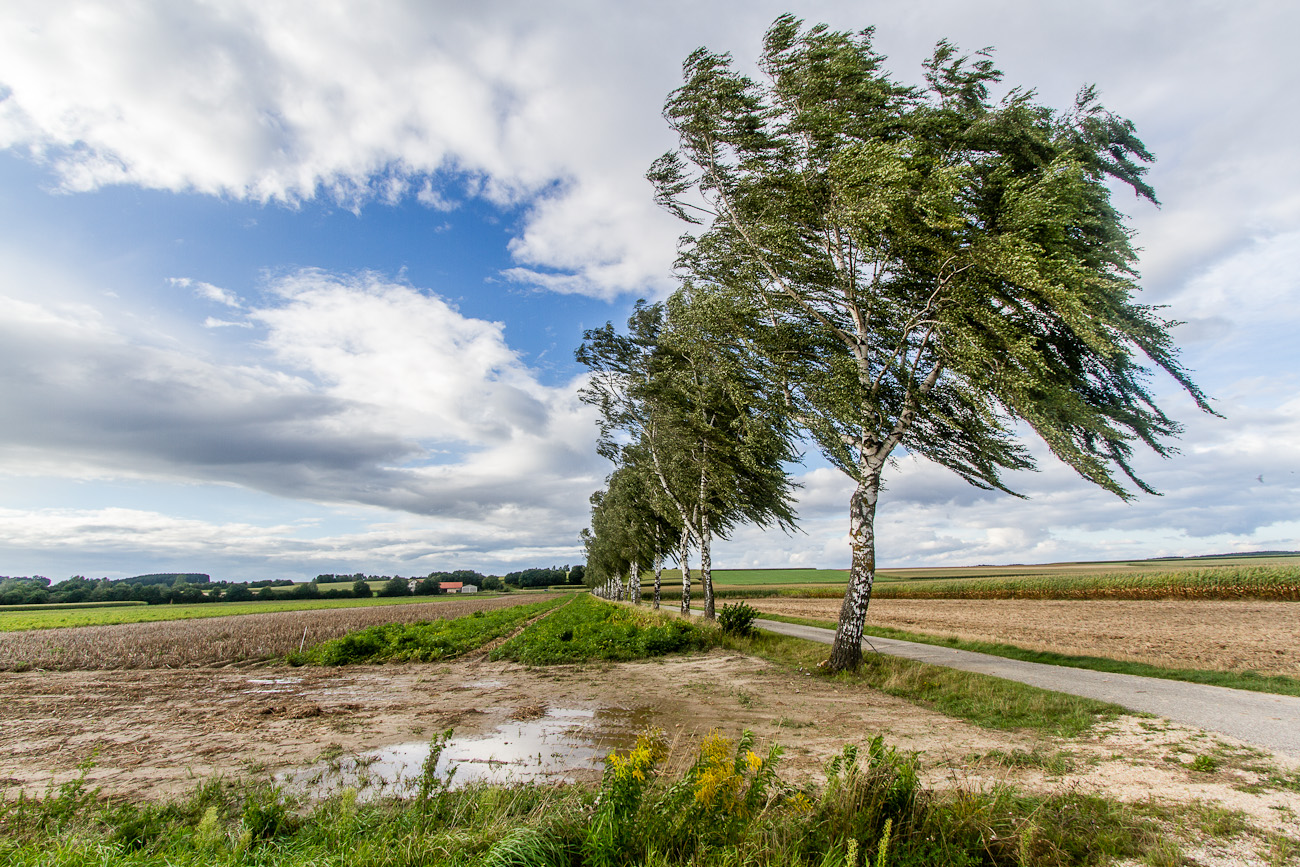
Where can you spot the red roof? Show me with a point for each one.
(450, 585)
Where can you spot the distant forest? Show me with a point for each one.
(161, 588)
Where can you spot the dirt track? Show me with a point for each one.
(1218, 635)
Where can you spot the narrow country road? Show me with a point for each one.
(1270, 721)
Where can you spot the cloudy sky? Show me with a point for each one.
(294, 287)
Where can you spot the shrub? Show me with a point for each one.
(737, 619)
(589, 628)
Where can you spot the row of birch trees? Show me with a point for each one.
(884, 268)
(699, 441)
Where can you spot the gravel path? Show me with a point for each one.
(1270, 721)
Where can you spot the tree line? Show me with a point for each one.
(875, 269)
(189, 588)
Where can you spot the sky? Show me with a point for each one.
(290, 288)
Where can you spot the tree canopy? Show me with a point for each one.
(933, 269)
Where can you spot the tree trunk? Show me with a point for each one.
(846, 652)
(659, 578)
(686, 572)
(706, 565)
(634, 584)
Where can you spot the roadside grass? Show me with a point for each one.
(590, 628)
(728, 807)
(45, 618)
(1276, 684)
(425, 641)
(986, 701)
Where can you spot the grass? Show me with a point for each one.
(1248, 680)
(219, 640)
(42, 617)
(589, 628)
(986, 701)
(69, 606)
(424, 641)
(729, 806)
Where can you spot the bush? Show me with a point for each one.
(419, 642)
(737, 619)
(395, 587)
(588, 628)
(361, 589)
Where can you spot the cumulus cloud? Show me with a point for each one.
(119, 542)
(368, 392)
(556, 108)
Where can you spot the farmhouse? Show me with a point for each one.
(456, 587)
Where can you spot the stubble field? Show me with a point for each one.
(1219, 635)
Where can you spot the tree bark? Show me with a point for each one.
(685, 549)
(706, 565)
(659, 578)
(846, 651)
(634, 584)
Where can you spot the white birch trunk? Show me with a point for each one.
(659, 578)
(846, 652)
(686, 572)
(706, 565)
(634, 584)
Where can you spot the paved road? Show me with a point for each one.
(1271, 721)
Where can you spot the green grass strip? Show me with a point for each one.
(1276, 684)
(986, 701)
(591, 628)
(429, 641)
(18, 621)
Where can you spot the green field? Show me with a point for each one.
(39, 618)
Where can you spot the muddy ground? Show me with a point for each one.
(153, 733)
(1210, 634)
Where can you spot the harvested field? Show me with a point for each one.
(1207, 634)
(214, 641)
(152, 733)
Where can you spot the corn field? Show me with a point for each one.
(1258, 582)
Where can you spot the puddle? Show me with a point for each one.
(272, 684)
(485, 684)
(561, 746)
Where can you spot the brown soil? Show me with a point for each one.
(155, 733)
(1216, 635)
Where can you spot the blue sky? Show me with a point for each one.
(289, 289)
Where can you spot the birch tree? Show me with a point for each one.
(698, 424)
(934, 269)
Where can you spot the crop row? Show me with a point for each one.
(215, 640)
(1260, 582)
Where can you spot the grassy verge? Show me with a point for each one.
(45, 618)
(1248, 680)
(590, 628)
(981, 699)
(427, 641)
(729, 807)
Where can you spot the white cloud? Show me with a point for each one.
(209, 292)
(368, 392)
(120, 541)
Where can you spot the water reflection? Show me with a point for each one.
(565, 744)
